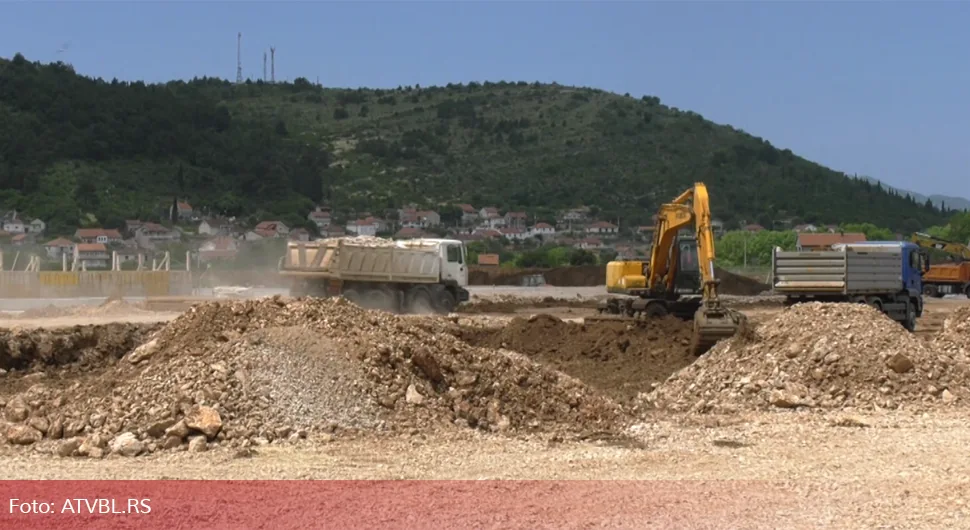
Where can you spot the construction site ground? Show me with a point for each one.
(787, 466)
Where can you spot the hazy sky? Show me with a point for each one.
(875, 88)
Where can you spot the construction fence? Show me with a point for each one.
(95, 284)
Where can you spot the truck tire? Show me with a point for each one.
(445, 302)
(352, 296)
(910, 322)
(419, 300)
(966, 290)
(379, 299)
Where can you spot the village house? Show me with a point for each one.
(215, 226)
(267, 229)
(362, 227)
(321, 217)
(92, 255)
(514, 234)
(98, 235)
(488, 233)
(132, 226)
(184, 212)
(753, 228)
(516, 219)
(469, 215)
(602, 227)
(20, 240)
(14, 226)
(56, 247)
(428, 218)
(488, 212)
(37, 226)
(299, 234)
(218, 248)
(155, 232)
(806, 228)
(575, 215)
(544, 230)
(824, 241)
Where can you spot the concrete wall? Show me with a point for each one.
(45, 284)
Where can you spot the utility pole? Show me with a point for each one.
(264, 67)
(239, 58)
(272, 64)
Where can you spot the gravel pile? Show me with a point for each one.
(360, 241)
(820, 356)
(252, 372)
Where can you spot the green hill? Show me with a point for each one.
(72, 146)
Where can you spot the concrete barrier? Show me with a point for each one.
(67, 284)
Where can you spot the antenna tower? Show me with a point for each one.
(239, 58)
(272, 64)
(264, 67)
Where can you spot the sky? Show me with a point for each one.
(871, 88)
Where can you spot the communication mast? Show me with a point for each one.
(272, 64)
(239, 58)
(264, 67)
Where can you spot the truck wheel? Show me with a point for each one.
(929, 290)
(910, 322)
(419, 301)
(966, 290)
(352, 296)
(445, 302)
(379, 299)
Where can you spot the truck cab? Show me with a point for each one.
(454, 262)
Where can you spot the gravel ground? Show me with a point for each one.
(897, 471)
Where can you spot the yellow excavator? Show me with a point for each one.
(679, 278)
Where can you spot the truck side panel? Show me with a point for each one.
(361, 263)
(809, 272)
(874, 272)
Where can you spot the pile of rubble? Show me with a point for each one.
(251, 372)
(110, 308)
(955, 334)
(819, 356)
(361, 241)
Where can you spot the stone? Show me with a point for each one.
(16, 410)
(412, 396)
(899, 363)
(159, 428)
(179, 430)
(205, 420)
(143, 352)
(68, 447)
(948, 397)
(171, 442)
(40, 423)
(126, 444)
(23, 435)
(197, 444)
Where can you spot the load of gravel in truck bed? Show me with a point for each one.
(819, 356)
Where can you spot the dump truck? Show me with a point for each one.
(408, 276)
(945, 277)
(886, 275)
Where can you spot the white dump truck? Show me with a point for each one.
(408, 276)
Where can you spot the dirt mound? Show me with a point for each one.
(621, 359)
(255, 371)
(956, 327)
(40, 349)
(111, 307)
(735, 284)
(827, 356)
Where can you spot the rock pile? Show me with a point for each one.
(362, 241)
(955, 333)
(821, 356)
(255, 371)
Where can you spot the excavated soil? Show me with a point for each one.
(109, 308)
(511, 304)
(258, 371)
(821, 356)
(41, 350)
(621, 359)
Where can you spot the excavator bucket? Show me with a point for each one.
(713, 323)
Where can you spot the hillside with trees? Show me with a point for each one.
(76, 150)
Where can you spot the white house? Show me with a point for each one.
(59, 246)
(468, 214)
(362, 227)
(37, 226)
(320, 217)
(92, 255)
(14, 226)
(514, 234)
(602, 227)
(542, 229)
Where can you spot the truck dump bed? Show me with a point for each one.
(364, 261)
(843, 271)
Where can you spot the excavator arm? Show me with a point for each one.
(712, 321)
(957, 250)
